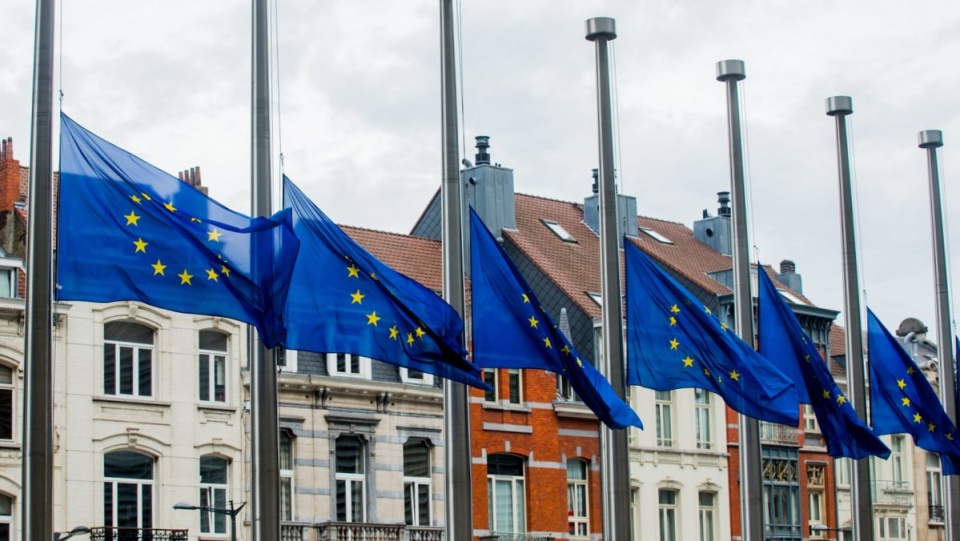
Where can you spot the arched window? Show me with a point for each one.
(286, 475)
(6, 517)
(505, 494)
(127, 359)
(213, 366)
(7, 412)
(127, 490)
(351, 479)
(578, 501)
(213, 493)
(416, 482)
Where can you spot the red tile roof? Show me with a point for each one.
(416, 257)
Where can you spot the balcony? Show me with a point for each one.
(495, 536)
(359, 531)
(110, 533)
(892, 494)
(935, 514)
(774, 434)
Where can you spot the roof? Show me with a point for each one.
(416, 257)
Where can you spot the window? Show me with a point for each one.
(127, 490)
(893, 529)
(287, 359)
(664, 404)
(6, 517)
(416, 483)
(934, 488)
(286, 475)
(127, 359)
(347, 365)
(564, 389)
(490, 378)
(896, 457)
(6, 403)
(816, 507)
(843, 472)
(703, 416)
(351, 485)
(577, 501)
(514, 383)
(668, 515)
(8, 283)
(213, 493)
(790, 296)
(810, 419)
(559, 231)
(656, 235)
(816, 485)
(596, 297)
(415, 377)
(213, 366)
(707, 513)
(505, 494)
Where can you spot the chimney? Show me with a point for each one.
(482, 156)
(596, 181)
(788, 276)
(10, 189)
(192, 177)
(724, 199)
(716, 231)
(626, 211)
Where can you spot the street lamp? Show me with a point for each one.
(79, 530)
(232, 513)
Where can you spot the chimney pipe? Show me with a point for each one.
(724, 199)
(596, 181)
(787, 266)
(482, 156)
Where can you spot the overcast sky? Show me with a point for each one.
(358, 101)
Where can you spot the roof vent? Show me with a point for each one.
(787, 266)
(482, 157)
(724, 199)
(596, 181)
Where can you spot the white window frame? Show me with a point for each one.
(703, 418)
(514, 373)
(559, 230)
(707, 516)
(884, 530)
(289, 360)
(286, 474)
(934, 483)
(118, 346)
(669, 511)
(140, 483)
(353, 482)
(518, 501)
(363, 365)
(211, 358)
(578, 497)
(11, 387)
(496, 385)
(897, 458)
(415, 377)
(211, 490)
(817, 506)
(412, 486)
(8, 519)
(810, 423)
(664, 417)
(10, 281)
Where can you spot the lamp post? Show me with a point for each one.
(62, 536)
(232, 513)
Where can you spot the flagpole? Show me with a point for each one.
(265, 429)
(931, 140)
(615, 464)
(458, 491)
(732, 72)
(38, 333)
(839, 107)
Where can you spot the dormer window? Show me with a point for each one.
(656, 235)
(559, 231)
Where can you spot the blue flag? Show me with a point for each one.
(512, 330)
(128, 231)
(344, 300)
(786, 346)
(674, 342)
(902, 400)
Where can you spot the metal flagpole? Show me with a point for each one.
(265, 440)
(458, 491)
(931, 140)
(840, 107)
(615, 464)
(751, 488)
(38, 334)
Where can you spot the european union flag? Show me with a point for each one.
(674, 342)
(512, 330)
(786, 346)
(344, 300)
(902, 400)
(128, 231)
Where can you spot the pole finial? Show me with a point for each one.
(601, 28)
(930, 139)
(839, 105)
(731, 70)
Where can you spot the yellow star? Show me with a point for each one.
(707, 310)
(526, 299)
(533, 322)
(410, 338)
(145, 195)
(673, 321)
(917, 418)
(420, 333)
(906, 401)
(185, 277)
(394, 332)
(735, 376)
(353, 272)
(170, 207)
(931, 427)
(546, 342)
(706, 372)
(132, 218)
(674, 309)
(225, 271)
(949, 436)
(374, 276)
(687, 361)
(565, 349)
(214, 236)
(580, 362)
(194, 219)
(826, 394)
(723, 326)
(373, 318)
(806, 358)
(901, 383)
(141, 246)
(674, 343)
(212, 275)
(910, 370)
(841, 399)
(357, 297)
(158, 268)
(136, 199)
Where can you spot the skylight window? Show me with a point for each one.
(596, 297)
(559, 231)
(790, 297)
(656, 235)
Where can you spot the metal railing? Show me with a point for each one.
(111, 533)
(936, 514)
(893, 493)
(774, 434)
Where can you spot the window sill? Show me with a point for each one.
(214, 406)
(130, 400)
(9, 446)
(502, 406)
